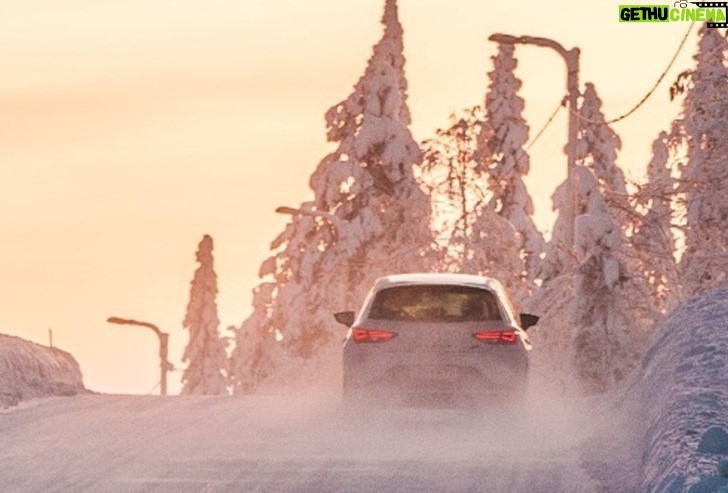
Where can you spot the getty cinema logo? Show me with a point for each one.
(712, 12)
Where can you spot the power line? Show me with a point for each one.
(651, 91)
(635, 108)
(156, 386)
(544, 127)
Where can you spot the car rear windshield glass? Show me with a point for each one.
(435, 303)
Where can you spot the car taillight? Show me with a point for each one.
(496, 337)
(372, 335)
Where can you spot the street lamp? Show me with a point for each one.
(333, 220)
(164, 365)
(571, 58)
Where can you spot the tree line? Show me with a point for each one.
(384, 203)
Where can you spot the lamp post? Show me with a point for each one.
(571, 58)
(164, 365)
(333, 220)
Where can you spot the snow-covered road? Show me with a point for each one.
(103, 443)
(654, 434)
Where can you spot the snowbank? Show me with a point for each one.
(30, 370)
(680, 394)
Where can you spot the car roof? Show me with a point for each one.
(438, 278)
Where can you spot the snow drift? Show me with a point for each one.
(30, 370)
(681, 398)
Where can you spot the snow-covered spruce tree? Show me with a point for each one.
(559, 256)
(205, 350)
(254, 357)
(652, 239)
(369, 217)
(596, 148)
(473, 237)
(502, 153)
(613, 304)
(601, 307)
(704, 179)
(368, 182)
(567, 264)
(289, 279)
(555, 300)
(367, 185)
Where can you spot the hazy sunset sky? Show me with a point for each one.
(128, 130)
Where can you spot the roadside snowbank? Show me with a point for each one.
(30, 370)
(680, 395)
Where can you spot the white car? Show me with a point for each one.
(435, 340)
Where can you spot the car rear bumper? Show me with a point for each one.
(458, 380)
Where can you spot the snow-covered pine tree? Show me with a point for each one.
(612, 303)
(368, 182)
(205, 350)
(367, 186)
(369, 217)
(256, 351)
(559, 256)
(652, 239)
(596, 148)
(704, 179)
(283, 300)
(252, 360)
(609, 303)
(602, 354)
(474, 238)
(507, 162)
(563, 301)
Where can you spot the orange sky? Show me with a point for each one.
(130, 129)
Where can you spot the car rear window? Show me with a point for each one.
(435, 303)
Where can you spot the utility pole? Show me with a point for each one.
(571, 58)
(164, 365)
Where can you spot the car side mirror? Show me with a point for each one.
(528, 320)
(345, 318)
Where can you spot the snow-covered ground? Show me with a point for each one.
(659, 433)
